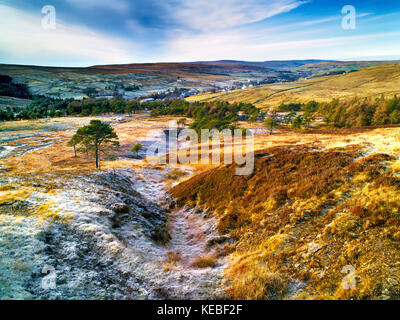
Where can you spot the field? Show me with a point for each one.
(370, 82)
(319, 201)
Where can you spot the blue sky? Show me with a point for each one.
(93, 32)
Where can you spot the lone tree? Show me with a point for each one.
(75, 140)
(297, 122)
(95, 137)
(182, 122)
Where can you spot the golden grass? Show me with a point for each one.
(303, 217)
(369, 82)
(304, 225)
(48, 210)
(176, 174)
(12, 195)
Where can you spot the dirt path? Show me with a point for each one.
(193, 240)
(190, 234)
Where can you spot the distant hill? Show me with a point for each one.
(383, 78)
(277, 64)
(149, 78)
(161, 79)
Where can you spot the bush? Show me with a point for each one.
(204, 262)
(136, 148)
(176, 174)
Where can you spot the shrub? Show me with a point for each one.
(204, 262)
(258, 284)
(176, 174)
(136, 148)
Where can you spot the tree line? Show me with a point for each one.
(340, 113)
(48, 107)
(210, 115)
(11, 89)
(360, 112)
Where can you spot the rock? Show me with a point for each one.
(121, 211)
(172, 205)
(132, 155)
(160, 236)
(120, 208)
(217, 240)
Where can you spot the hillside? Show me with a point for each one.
(174, 80)
(135, 80)
(311, 221)
(370, 82)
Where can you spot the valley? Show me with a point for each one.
(199, 159)
(109, 234)
(159, 80)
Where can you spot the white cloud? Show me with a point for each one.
(212, 30)
(23, 39)
(241, 45)
(206, 15)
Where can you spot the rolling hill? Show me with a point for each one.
(180, 80)
(369, 82)
(147, 78)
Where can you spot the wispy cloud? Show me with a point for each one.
(121, 31)
(23, 39)
(205, 15)
(240, 45)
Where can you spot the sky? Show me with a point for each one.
(94, 32)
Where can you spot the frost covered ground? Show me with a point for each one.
(113, 245)
(115, 233)
(107, 234)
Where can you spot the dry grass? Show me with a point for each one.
(10, 195)
(304, 215)
(370, 82)
(258, 284)
(315, 204)
(204, 262)
(172, 261)
(176, 174)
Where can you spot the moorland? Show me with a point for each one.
(317, 219)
